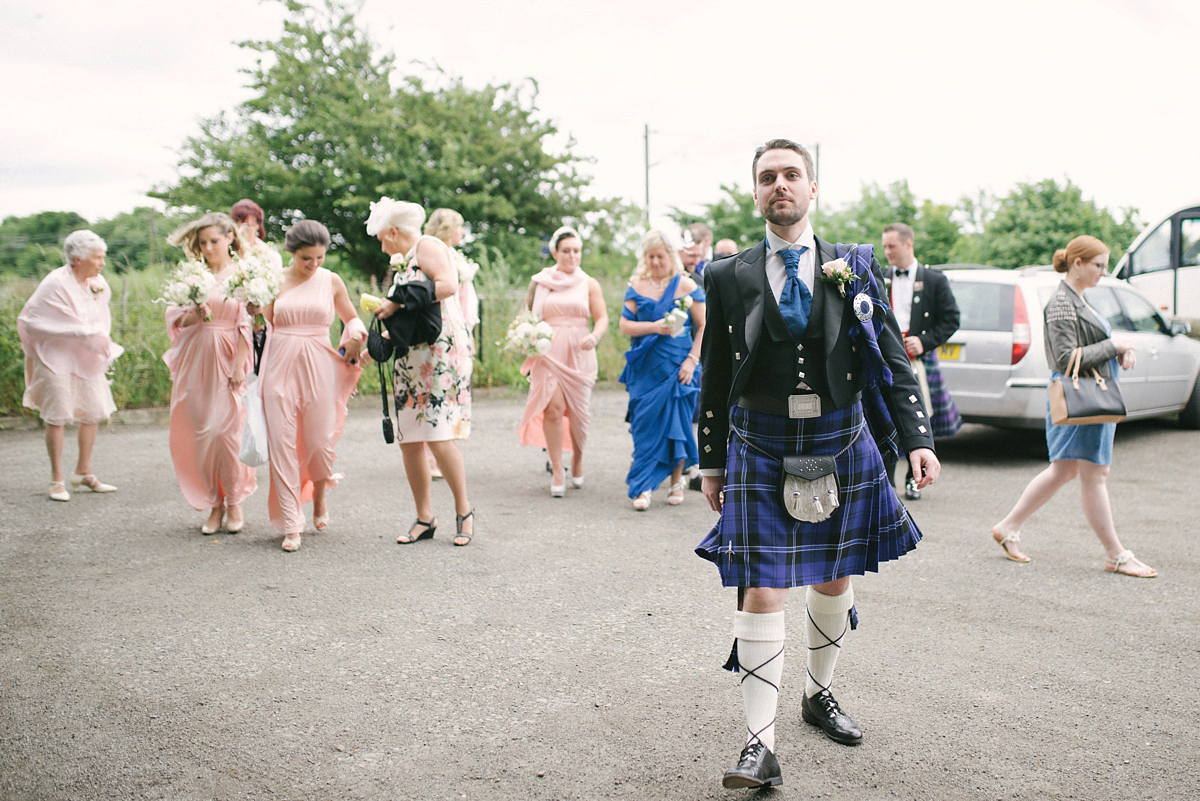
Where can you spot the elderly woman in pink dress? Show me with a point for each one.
(64, 329)
(560, 381)
(208, 358)
(306, 384)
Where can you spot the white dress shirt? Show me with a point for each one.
(777, 270)
(902, 295)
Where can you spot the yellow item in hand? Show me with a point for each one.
(369, 303)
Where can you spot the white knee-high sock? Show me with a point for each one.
(828, 622)
(760, 640)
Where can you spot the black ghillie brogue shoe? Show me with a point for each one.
(756, 767)
(822, 711)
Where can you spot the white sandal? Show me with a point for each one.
(1126, 557)
(90, 481)
(642, 502)
(675, 494)
(58, 491)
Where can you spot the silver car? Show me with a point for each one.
(995, 365)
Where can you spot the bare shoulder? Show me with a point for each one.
(687, 285)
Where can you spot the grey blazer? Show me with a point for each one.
(1070, 324)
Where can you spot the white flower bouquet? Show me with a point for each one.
(678, 315)
(527, 335)
(253, 281)
(188, 284)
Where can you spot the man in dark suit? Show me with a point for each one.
(927, 314)
(787, 358)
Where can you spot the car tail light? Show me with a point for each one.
(1020, 328)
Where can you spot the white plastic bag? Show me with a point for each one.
(254, 434)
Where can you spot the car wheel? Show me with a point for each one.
(1190, 416)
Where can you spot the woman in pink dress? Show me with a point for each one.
(306, 384)
(560, 381)
(433, 381)
(208, 358)
(64, 329)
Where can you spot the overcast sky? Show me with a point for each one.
(952, 96)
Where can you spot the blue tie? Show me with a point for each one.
(795, 302)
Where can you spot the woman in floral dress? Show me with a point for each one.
(433, 382)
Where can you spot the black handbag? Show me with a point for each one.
(1076, 401)
(378, 346)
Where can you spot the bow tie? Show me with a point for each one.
(901, 273)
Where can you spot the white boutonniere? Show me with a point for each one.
(97, 287)
(837, 272)
(398, 260)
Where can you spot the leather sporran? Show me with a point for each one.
(808, 487)
(1077, 401)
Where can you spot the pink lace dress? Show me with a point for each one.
(206, 415)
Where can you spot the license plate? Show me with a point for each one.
(950, 353)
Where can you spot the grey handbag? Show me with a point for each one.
(1076, 401)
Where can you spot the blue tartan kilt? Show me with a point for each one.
(756, 543)
(944, 418)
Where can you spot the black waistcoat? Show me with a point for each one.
(777, 368)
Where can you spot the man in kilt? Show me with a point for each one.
(927, 314)
(795, 366)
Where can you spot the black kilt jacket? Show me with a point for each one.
(934, 317)
(736, 290)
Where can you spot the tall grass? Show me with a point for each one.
(141, 379)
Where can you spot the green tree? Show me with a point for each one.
(135, 239)
(733, 216)
(863, 220)
(326, 133)
(32, 245)
(1028, 224)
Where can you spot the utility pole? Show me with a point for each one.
(646, 213)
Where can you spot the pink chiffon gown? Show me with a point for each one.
(64, 329)
(562, 301)
(206, 415)
(305, 389)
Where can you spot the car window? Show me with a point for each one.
(1189, 233)
(982, 306)
(1140, 311)
(1104, 302)
(1155, 251)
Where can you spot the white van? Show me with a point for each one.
(1164, 263)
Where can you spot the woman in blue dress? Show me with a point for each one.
(1078, 451)
(664, 316)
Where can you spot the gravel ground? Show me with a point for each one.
(573, 650)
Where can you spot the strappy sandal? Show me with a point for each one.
(58, 491)
(427, 534)
(675, 494)
(1015, 539)
(1126, 557)
(642, 502)
(291, 542)
(458, 521)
